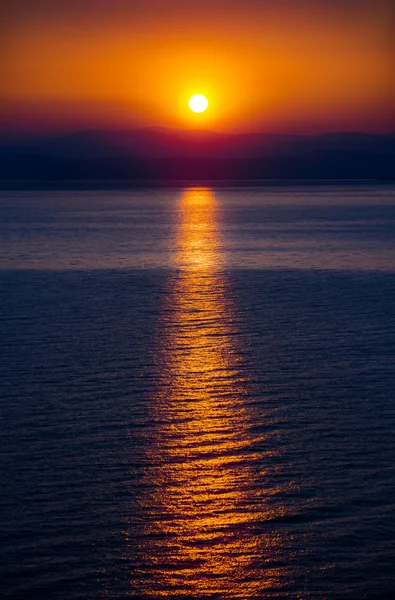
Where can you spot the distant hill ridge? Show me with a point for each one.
(160, 153)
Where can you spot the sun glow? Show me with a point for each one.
(198, 103)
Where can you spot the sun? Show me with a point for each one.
(198, 103)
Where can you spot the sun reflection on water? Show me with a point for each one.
(203, 511)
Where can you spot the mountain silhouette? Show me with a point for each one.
(161, 154)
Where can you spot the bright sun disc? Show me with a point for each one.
(198, 103)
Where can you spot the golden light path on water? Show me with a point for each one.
(203, 507)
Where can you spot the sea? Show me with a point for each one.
(198, 393)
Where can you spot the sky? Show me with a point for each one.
(295, 66)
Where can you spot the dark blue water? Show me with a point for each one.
(197, 394)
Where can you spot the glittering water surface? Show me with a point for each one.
(197, 395)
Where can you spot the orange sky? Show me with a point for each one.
(265, 65)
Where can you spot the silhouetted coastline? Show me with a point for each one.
(166, 157)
